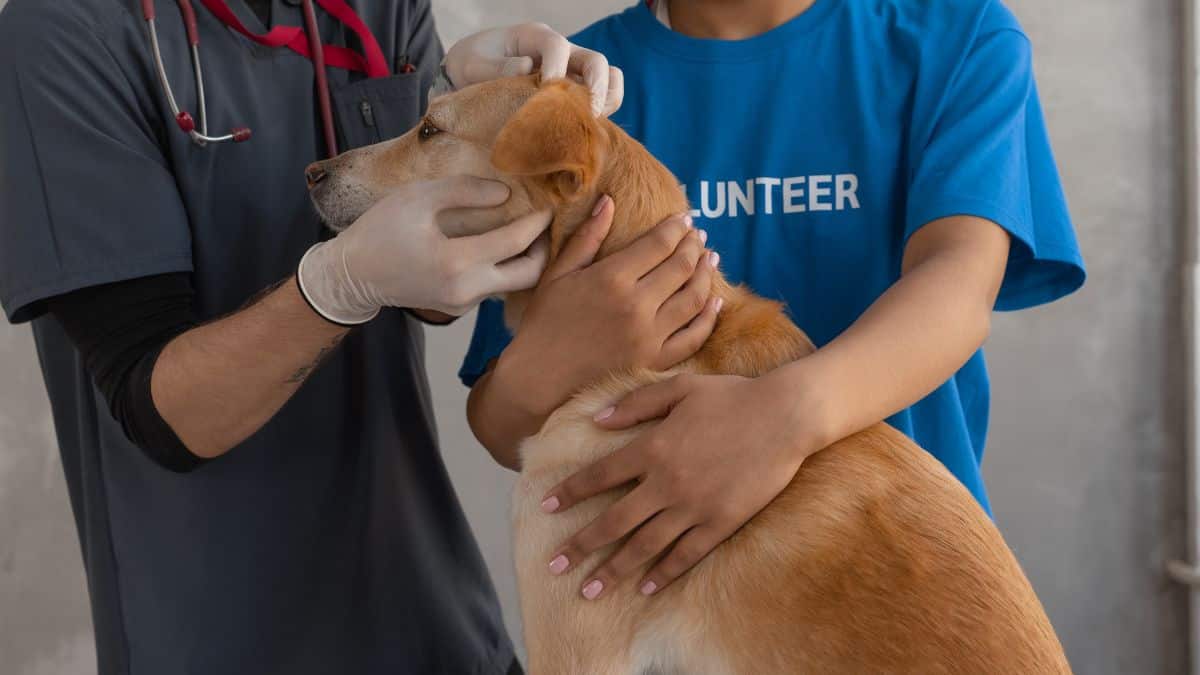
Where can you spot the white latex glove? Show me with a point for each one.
(517, 50)
(397, 255)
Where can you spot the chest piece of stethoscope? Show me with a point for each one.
(182, 117)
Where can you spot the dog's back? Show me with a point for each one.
(874, 559)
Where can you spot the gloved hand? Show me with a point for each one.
(398, 254)
(517, 50)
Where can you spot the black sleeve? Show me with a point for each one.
(120, 329)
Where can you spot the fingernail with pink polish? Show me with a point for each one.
(600, 204)
(550, 504)
(720, 303)
(703, 237)
(688, 220)
(714, 259)
(605, 414)
(649, 587)
(592, 590)
(559, 565)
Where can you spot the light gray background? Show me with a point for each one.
(1085, 458)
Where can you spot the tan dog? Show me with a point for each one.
(875, 559)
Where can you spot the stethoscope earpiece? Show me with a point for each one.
(185, 122)
(188, 125)
(183, 118)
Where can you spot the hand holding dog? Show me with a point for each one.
(518, 50)
(728, 445)
(645, 306)
(397, 255)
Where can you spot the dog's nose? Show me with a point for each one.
(314, 174)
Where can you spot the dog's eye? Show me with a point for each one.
(428, 131)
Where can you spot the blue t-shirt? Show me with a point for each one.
(812, 153)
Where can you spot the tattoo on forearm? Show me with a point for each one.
(304, 371)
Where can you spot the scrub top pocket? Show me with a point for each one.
(375, 110)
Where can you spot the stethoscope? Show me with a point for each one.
(306, 42)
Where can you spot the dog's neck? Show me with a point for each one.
(753, 335)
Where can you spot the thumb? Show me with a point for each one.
(642, 405)
(523, 271)
(581, 249)
(507, 241)
(482, 68)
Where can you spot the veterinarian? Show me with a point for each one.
(881, 167)
(240, 510)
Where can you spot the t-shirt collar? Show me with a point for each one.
(650, 20)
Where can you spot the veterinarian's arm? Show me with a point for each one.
(216, 384)
(694, 490)
(654, 312)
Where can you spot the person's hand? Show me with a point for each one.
(646, 305)
(397, 254)
(518, 50)
(728, 445)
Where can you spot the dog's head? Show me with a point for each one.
(540, 139)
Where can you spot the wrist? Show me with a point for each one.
(518, 385)
(806, 407)
(325, 284)
(288, 303)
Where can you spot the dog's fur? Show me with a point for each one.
(875, 559)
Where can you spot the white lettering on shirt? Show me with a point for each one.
(847, 191)
(718, 210)
(796, 194)
(767, 184)
(816, 190)
(739, 197)
(793, 196)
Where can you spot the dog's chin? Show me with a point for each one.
(335, 222)
(339, 207)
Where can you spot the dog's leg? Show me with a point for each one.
(564, 633)
(622, 632)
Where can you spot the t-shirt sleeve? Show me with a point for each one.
(490, 338)
(86, 194)
(985, 152)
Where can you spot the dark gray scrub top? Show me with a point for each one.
(329, 542)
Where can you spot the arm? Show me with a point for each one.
(913, 338)
(647, 305)
(184, 393)
(910, 340)
(140, 335)
(500, 419)
(217, 384)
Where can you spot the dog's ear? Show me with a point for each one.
(553, 137)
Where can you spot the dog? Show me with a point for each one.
(874, 559)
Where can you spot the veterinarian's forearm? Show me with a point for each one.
(910, 341)
(217, 384)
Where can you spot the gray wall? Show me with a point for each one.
(1085, 457)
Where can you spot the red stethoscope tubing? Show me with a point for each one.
(318, 60)
(304, 41)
